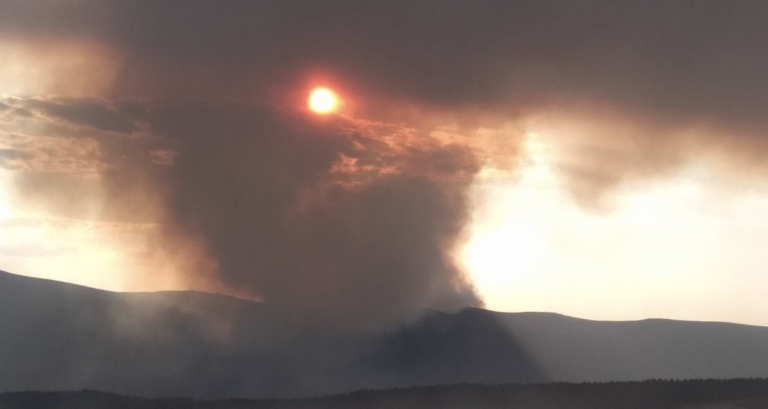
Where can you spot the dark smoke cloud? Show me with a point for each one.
(662, 66)
(359, 247)
(343, 219)
(336, 221)
(679, 59)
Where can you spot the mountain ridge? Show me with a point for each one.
(67, 337)
(651, 394)
(235, 298)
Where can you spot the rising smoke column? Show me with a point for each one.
(339, 221)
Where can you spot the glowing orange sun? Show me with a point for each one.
(323, 101)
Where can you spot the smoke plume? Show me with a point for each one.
(354, 219)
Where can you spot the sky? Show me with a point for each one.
(599, 159)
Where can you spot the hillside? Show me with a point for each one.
(656, 394)
(59, 336)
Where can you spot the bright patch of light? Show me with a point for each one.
(323, 101)
(32, 68)
(6, 212)
(508, 241)
(684, 247)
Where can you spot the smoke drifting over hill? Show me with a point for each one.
(189, 122)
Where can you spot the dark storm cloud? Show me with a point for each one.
(340, 219)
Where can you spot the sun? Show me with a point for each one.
(323, 101)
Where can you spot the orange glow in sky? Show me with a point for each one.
(323, 101)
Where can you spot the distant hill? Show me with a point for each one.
(655, 394)
(58, 336)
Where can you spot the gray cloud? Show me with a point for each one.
(7, 155)
(77, 116)
(92, 112)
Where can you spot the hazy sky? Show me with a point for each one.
(602, 159)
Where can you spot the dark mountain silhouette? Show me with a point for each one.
(654, 394)
(58, 336)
